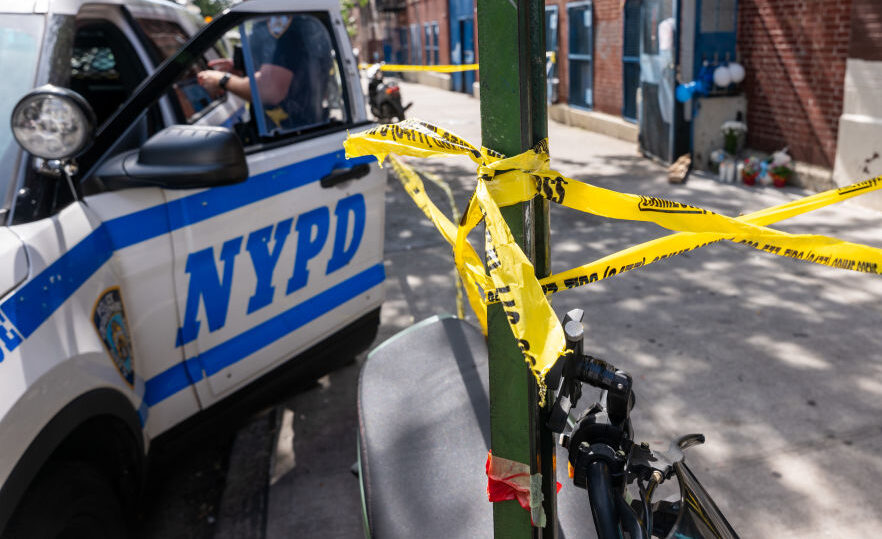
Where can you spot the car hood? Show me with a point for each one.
(13, 261)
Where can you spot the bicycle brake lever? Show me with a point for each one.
(562, 374)
(643, 460)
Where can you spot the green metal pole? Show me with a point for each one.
(511, 39)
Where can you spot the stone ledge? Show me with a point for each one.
(599, 122)
(428, 78)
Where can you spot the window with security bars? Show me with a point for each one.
(581, 54)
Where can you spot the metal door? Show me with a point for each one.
(467, 36)
(657, 68)
(462, 42)
(581, 54)
(267, 268)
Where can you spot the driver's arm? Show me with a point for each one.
(272, 83)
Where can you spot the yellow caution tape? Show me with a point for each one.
(409, 178)
(448, 68)
(504, 181)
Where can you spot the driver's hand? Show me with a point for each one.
(210, 80)
(221, 64)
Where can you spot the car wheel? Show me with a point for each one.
(69, 500)
(387, 113)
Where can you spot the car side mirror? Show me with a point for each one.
(179, 157)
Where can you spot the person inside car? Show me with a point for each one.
(287, 75)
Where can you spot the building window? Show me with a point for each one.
(551, 59)
(416, 48)
(430, 30)
(401, 53)
(435, 31)
(718, 16)
(581, 53)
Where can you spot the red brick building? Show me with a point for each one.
(794, 53)
(429, 21)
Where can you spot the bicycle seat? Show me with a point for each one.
(424, 433)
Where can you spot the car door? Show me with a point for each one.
(267, 268)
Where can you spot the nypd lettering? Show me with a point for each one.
(211, 275)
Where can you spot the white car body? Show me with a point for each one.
(217, 286)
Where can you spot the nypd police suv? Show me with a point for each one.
(168, 244)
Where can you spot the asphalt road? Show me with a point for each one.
(776, 361)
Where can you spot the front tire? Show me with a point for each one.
(387, 113)
(69, 500)
(390, 114)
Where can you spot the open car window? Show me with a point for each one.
(329, 99)
(295, 74)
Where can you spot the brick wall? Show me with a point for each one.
(794, 52)
(608, 28)
(866, 30)
(431, 11)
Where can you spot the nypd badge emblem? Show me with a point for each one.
(110, 321)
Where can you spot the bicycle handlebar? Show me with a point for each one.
(603, 507)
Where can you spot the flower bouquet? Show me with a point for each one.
(780, 175)
(751, 170)
(733, 135)
(780, 168)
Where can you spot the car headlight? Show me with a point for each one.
(53, 122)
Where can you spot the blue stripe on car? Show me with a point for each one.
(36, 300)
(213, 360)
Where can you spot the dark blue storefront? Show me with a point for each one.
(462, 42)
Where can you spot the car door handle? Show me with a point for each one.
(340, 175)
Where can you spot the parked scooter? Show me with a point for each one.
(384, 97)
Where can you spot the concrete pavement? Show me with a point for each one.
(777, 362)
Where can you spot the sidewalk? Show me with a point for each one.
(776, 361)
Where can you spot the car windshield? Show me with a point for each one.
(20, 37)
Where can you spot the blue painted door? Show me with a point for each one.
(581, 54)
(462, 42)
(467, 36)
(631, 60)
